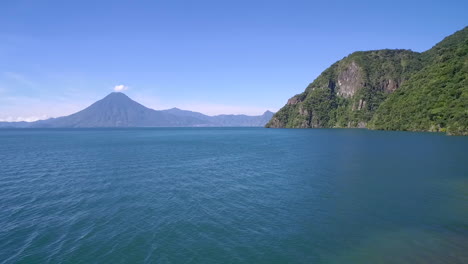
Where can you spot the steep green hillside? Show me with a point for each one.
(359, 91)
(436, 97)
(348, 93)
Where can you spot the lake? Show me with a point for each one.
(232, 195)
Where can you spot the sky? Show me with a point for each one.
(214, 57)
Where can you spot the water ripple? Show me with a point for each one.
(235, 195)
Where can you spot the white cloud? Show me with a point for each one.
(120, 88)
(21, 108)
(23, 118)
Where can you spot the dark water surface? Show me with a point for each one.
(232, 195)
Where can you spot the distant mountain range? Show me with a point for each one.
(118, 110)
(388, 90)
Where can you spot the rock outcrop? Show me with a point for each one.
(349, 92)
(388, 89)
(350, 80)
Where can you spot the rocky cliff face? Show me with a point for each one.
(388, 89)
(349, 92)
(350, 80)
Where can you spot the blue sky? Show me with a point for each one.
(57, 57)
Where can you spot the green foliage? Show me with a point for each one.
(431, 91)
(320, 102)
(435, 98)
(320, 106)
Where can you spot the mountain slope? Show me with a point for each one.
(359, 91)
(118, 110)
(242, 120)
(435, 98)
(21, 124)
(348, 93)
(225, 120)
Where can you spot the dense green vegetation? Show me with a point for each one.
(435, 98)
(388, 89)
(321, 105)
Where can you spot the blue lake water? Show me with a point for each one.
(232, 195)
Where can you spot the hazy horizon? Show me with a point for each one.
(212, 57)
(122, 92)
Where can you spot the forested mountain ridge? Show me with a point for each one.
(388, 89)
